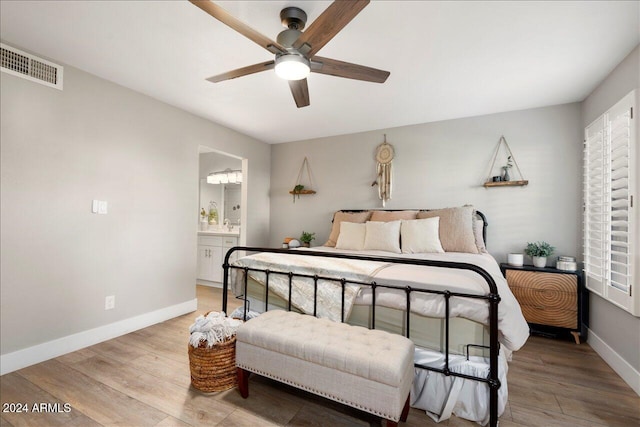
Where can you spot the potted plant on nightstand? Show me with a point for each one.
(306, 238)
(539, 251)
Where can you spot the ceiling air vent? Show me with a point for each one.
(30, 67)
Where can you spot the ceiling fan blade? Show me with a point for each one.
(348, 70)
(327, 25)
(300, 92)
(244, 71)
(226, 18)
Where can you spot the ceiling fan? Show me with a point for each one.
(295, 51)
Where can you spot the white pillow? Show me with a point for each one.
(351, 236)
(382, 236)
(421, 236)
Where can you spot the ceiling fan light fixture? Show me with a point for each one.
(292, 66)
(294, 50)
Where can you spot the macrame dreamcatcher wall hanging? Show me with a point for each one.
(384, 179)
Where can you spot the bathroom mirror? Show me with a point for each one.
(232, 194)
(214, 168)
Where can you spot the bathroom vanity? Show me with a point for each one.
(212, 247)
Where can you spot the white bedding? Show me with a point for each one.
(511, 323)
(329, 293)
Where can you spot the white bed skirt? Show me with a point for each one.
(440, 396)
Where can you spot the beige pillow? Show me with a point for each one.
(456, 228)
(351, 236)
(382, 236)
(478, 226)
(421, 236)
(340, 216)
(385, 216)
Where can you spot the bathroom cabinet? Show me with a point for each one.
(211, 251)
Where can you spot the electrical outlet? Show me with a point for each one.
(109, 302)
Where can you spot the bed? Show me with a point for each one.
(405, 278)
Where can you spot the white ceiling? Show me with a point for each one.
(447, 59)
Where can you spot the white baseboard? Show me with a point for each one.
(209, 284)
(39, 353)
(627, 372)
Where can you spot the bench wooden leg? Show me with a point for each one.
(243, 382)
(403, 416)
(405, 410)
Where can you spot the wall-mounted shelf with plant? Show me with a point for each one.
(504, 179)
(300, 189)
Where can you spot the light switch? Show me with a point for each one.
(110, 302)
(102, 207)
(94, 206)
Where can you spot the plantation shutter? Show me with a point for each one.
(595, 221)
(609, 176)
(620, 182)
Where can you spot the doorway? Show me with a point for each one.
(222, 220)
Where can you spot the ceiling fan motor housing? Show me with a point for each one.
(293, 18)
(292, 65)
(288, 37)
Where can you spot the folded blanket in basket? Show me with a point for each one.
(213, 328)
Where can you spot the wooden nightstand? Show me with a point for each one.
(552, 300)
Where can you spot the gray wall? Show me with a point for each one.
(619, 329)
(445, 164)
(98, 140)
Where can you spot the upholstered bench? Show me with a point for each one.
(367, 369)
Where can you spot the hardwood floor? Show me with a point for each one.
(142, 379)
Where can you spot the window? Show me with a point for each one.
(609, 177)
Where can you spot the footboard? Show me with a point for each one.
(492, 298)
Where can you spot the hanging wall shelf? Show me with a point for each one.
(300, 189)
(303, 191)
(518, 183)
(504, 179)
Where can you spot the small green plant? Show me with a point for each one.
(297, 190)
(307, 237)
(541, 249)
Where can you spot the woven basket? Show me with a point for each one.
(213, 369)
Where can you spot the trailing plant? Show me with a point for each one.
(541, 249)
(297, 190)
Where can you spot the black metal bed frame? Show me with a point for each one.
(493, 299)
